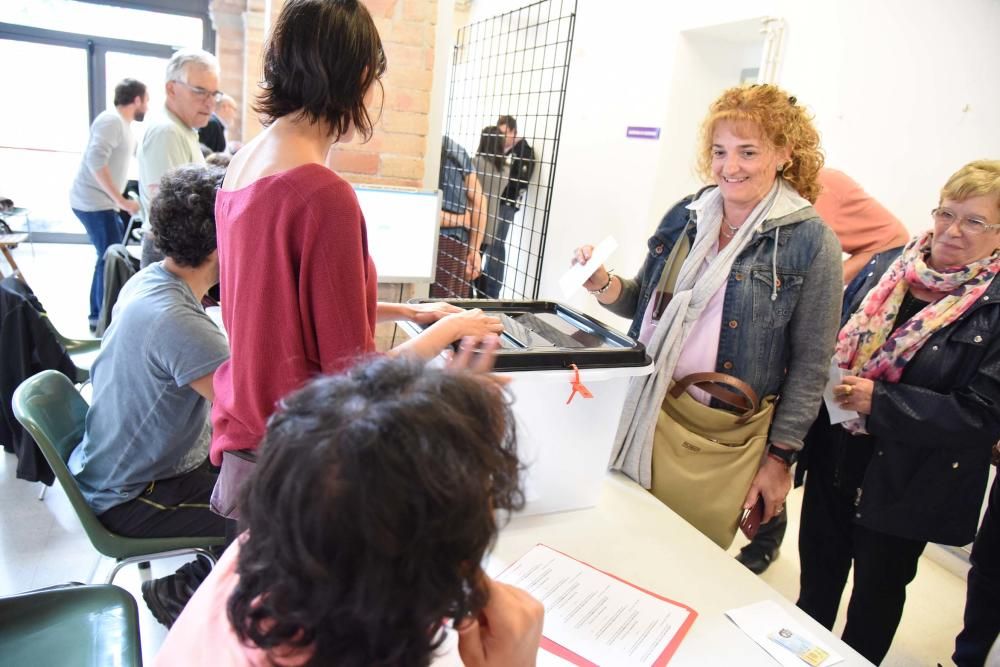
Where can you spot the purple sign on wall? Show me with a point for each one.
(642, 132)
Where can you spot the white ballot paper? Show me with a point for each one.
(594, 618)
(781, 635)
(838, 415)
(577, 276)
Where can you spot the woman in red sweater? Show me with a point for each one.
(298, 285)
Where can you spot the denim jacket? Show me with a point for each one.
(780, 314)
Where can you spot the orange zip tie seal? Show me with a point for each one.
(578, 387)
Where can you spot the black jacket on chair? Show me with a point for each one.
(930, 434)
(119, 267)
(28, 345)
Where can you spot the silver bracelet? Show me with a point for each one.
(607, 285)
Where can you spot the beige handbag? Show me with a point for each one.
(704, 458)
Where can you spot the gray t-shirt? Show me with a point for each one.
(111, 143)
(145, 423)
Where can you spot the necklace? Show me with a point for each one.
(729, 231)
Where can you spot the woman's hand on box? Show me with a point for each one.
(473, 322)
(429, 313)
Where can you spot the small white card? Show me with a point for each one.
(763, 619)
(838, 415)
(573, 279)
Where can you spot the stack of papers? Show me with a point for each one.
(595, 618)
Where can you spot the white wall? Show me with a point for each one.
(904, 92)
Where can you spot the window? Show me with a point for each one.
(71, 56)
(136, 25)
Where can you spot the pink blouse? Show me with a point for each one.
(700, 351)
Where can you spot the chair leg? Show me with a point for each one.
(163, 554)
(41, 492)
(93, 570)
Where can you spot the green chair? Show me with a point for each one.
(81, 351)
(53, 412)
(85, 626)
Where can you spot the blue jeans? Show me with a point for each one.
(104, 229)
(494, 249)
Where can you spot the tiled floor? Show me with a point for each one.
(41, 542)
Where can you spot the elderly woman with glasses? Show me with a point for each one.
(920, 358)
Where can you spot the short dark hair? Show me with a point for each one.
(509, 122)
(491, 141)
(369, 511)
(182, 214)
(320, 60)
(127, 90)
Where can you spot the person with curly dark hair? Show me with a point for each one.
(367, 517)
(142, 465)
(293, 247)
(182, 216)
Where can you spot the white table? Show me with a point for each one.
(633, 536)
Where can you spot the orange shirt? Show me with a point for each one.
(863, 226)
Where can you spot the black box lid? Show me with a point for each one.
(544, 335)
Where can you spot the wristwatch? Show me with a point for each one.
(786, 456)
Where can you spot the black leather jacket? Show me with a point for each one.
(930, 434)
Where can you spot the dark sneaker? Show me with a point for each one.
(162, 601)
(756, 560)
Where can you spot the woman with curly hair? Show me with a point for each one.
(366, 520)
(757, 296)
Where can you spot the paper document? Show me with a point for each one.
(837, 414)
(594, 618)
(781, 636)
(573, 279)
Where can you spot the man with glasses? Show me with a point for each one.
(171, 140)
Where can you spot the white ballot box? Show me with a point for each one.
(566, 418)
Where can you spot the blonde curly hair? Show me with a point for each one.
(780, 121)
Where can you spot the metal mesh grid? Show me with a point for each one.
(515, 64)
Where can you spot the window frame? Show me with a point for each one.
(97, 47)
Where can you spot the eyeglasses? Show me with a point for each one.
(216, 95)
(971, 226)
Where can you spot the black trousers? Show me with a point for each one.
(175, 507)
(829, 542)
(982, 606)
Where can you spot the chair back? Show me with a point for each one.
(50, 408)
(71, 625)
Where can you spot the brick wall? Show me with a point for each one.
(229, 23)
(395, 154)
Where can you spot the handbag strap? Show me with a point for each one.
(671, 269)
(745, 400)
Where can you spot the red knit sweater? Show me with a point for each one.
(298, 291)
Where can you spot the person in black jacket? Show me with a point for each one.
(920, 357)
(522, 167)
(982, 605)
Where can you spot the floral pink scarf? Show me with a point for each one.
(864, 344)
